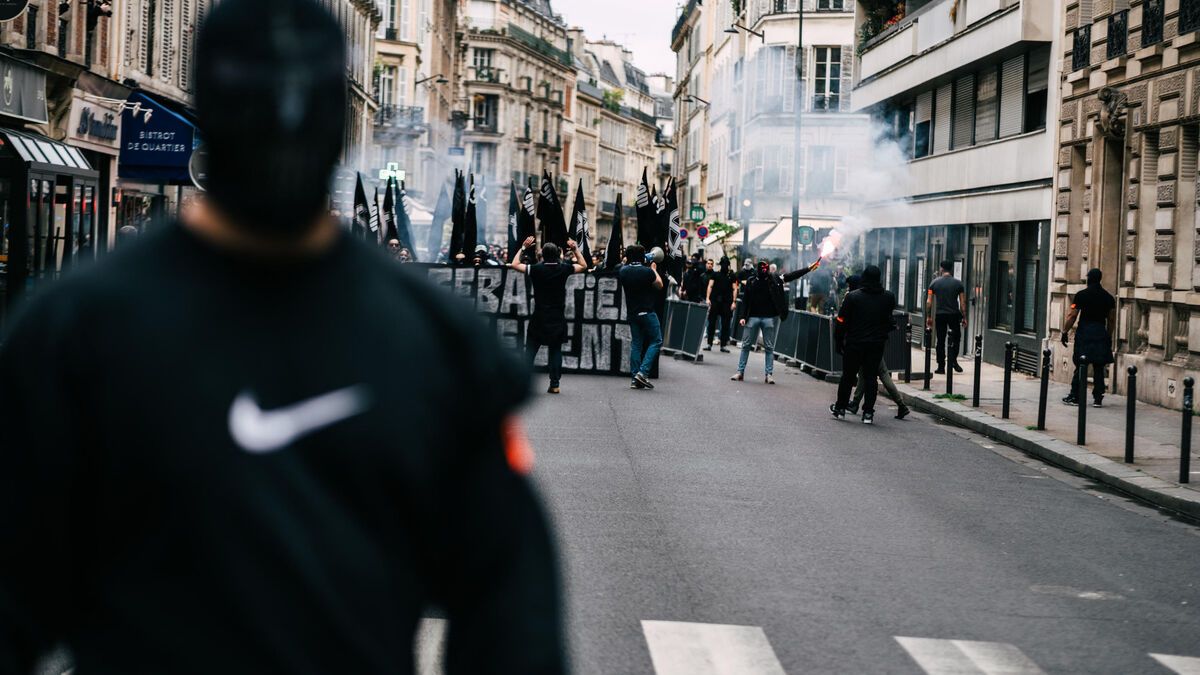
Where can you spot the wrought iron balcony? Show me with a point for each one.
(401, 117)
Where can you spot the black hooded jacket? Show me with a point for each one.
(865, 316)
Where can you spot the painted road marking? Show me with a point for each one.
(967, 657)
(679, 648)
(430, 646)
(1184, 665)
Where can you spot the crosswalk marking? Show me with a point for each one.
(967, 657)
(679, 648)
(431, 646)
(1183, 665)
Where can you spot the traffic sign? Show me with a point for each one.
(683, 233)
(702, 232)
(698, 213)
(805, 235)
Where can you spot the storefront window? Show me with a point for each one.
(1030, 266)
(1006, 270)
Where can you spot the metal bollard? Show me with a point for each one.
(1044, 395)
(978, 369)
(1130, 408)
(950, 379)
(1185, 443)
(928, 365)
(908, 357)
(1081, 400)
(1009, 347)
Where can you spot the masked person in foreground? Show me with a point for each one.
(309, 448)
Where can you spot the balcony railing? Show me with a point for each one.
(539, 45)
(683, 18)
(487, 74)
(401, 116)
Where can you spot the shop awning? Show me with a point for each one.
(156, 147)
(41, 152)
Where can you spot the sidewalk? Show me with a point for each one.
(1154, 474)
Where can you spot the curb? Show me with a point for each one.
(1060, 453)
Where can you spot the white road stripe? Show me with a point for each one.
(430, 646)
(966, 657)
(1183, 665)
(680, 648)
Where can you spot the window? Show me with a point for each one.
(923, 132)
(1012, 86)
(1118, 34)
(402, 86)
(1152, 22)
(31, 27)
(486, 109)
(831, 5)
(483, 157)
(1189, 16)
(942, 103)
(391, 13)
(828, 80)
(1030, 276)
(821, 170)
(387, 86)
(902, 283)
(1005, 296)
(1036, 89)
(841, 170)
(1081, 50)
(987, 100)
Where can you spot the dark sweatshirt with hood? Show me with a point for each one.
(866, 314)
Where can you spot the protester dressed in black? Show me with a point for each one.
(1096, 311)
(692, 288)
(641, 285)
(946, 309)
(309, 446)
(721, 297)
(548, 324)
(860, 334)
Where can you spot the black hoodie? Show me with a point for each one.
(866, 316)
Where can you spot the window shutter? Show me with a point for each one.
(840, 170)
(924, 106)
(1087, 14)
(985, 107)
(941, 119)
(186, 42)
(133, 38)
(168, 39)
(964, 111)
(1122, 5)
(1012, 98)
(847, 77)
(789, 81)
(143, 28)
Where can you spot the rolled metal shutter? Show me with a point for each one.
(985, 107)
(964, 111)
(1012, 96)
(941, 119)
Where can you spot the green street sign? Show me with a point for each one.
(698, 213)
(805, 235)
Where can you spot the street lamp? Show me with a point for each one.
(737, 26)
(441, 79)
(696, 99)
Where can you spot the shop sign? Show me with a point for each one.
(11, 9)
(163, 140)
(94, 127)
(22, 91)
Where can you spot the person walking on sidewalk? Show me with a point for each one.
(860, 334)
(946, 311)
(854, 282)
(548, 325)
(641, 285)
(763, 303)
(1096, 311)
(721, 298)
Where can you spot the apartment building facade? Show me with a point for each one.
(960, 93)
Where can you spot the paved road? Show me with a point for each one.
(736, 524)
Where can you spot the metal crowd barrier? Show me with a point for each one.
(684, 334)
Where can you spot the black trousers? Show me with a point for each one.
(948, 325)
(719, 309)
(1098, 388)
(856, 359)
(555, 359)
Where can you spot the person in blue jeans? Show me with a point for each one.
(641, 285)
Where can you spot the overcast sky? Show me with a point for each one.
(643, 26)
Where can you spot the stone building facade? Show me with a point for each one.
(1126, 184)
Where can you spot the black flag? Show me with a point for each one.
(514, 206)
(616, 240)
(404, 223)
(550, 214)
(526, 225)
(580, 231)
(458, 217)
(376, 214)
(470, 232)
(362, 212)
(674, 229)
(646, 216)
(389, 214)
(437, 229)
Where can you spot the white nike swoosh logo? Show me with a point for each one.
(259, 432)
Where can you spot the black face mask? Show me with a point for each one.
(271, 98)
